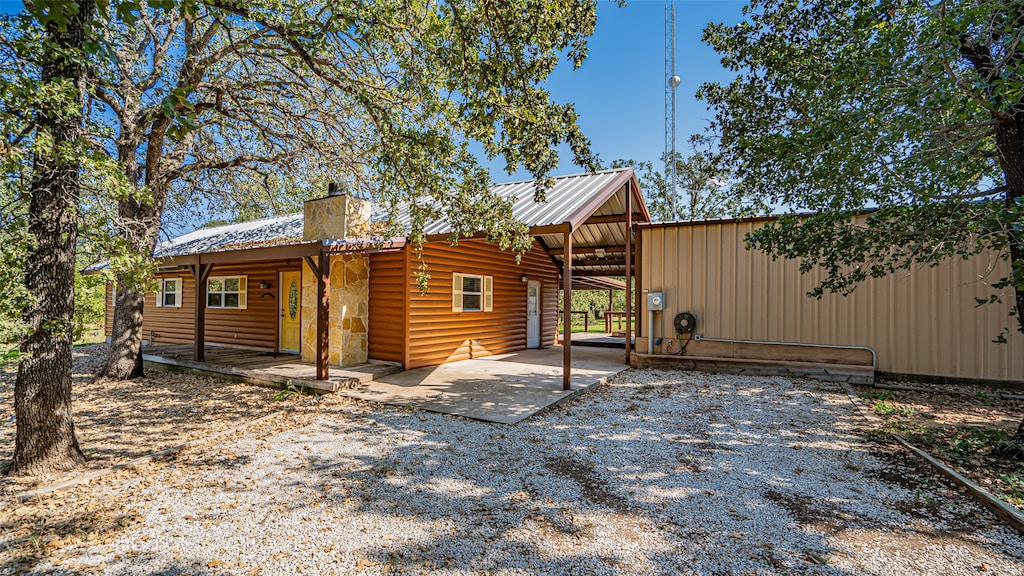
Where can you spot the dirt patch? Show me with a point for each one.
(593, 487)
(117, 421)
(960, 426)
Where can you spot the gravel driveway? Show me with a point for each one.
(655, 473)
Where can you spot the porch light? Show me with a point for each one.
(264, 285)
(522, 278)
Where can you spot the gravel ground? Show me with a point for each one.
(656, 473)
(117, 421)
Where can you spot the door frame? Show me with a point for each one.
(540, 316)
(282, 296)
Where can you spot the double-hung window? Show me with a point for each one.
(472, 293)
(226, 292)
(169, 293)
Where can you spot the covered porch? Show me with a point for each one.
(275, 369)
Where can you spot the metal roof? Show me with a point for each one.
(568, 195)
(277, 231)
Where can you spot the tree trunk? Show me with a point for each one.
(1010, 143)
(124, 358)
(45, 438)
(141, 227)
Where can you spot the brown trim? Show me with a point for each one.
(547, 250)
(638, 197)
(367, 247)
(406, 290)
(587, 210)
(594, 249)
(629, 265)
(624, 263)
(638, 251)
(248, 254)
(551, 229)
(567, 305)
(200, 273)
(605, 219)
(587, 273)
(323, 287)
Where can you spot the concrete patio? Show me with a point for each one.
(505, 389)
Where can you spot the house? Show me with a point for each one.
(317, 285)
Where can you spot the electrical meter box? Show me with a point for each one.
(655, 301)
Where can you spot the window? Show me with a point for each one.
(169, 293)
(471, 293)
(226, 292)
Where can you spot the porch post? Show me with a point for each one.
(200, 274)
(629, 267)
(567, 307)
(323, 336)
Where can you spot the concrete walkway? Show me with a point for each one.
(506, 388)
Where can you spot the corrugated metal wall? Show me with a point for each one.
(921, 322)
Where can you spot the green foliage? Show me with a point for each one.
(702, 190)
(843, 105)
(90, 302)
(290, 391)
(973, 440)
(885, 408)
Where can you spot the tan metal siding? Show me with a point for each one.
(919, 322)
(387, 307)
(438, 335)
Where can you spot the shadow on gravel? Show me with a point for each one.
(709, 475)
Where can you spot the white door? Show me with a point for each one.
(533, 314)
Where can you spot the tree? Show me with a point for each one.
(702, 190)
(223, 95)
(45, 437)
(912, 107)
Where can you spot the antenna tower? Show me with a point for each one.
(671, 83)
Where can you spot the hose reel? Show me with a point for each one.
(685, 323)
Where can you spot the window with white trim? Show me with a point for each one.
(226, 292)
(169, 293)
(472, 293)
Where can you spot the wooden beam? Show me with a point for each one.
(323, 336)
(588, 273)
(594, 249)
(605, 219)
(629, 265)
(638, 252)
(567, 305)
(200, 274)
(313, 265)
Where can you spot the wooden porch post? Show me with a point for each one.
(322, 269)
(629, 267)
(567, 306)
(200, 274)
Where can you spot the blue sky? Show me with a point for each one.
(619, 92)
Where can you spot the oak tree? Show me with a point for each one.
(221, 96)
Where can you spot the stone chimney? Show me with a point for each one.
(336, 217)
